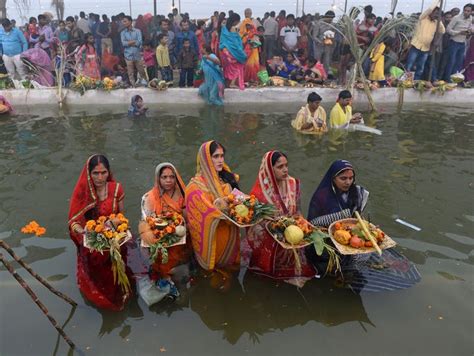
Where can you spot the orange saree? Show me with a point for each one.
(216, 242)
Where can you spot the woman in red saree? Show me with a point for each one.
(96, 194)
(275, 186)
(167, 196)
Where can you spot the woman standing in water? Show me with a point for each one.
(96, 194)
(275, 186)
(167, 196)
(338, 197)
(216, 241)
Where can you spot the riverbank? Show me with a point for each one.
(280, 95)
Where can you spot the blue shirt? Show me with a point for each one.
(191, 36)
(13, 42)
(131, 53)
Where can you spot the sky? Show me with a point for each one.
(203, 8)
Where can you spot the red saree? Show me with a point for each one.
(268, 257)
(94, 270)
(157, 202)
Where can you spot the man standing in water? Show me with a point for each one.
(132, 43)
(341, 114)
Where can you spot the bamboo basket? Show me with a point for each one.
(349, 250)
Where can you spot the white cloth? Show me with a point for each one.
(271, 27)
(14, 66)
(290, 35)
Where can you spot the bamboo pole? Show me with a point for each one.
(367, 233)
(34, 274)
(33, 296)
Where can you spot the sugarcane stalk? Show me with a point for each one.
(4, 245)
(33, 296)
(367, 233)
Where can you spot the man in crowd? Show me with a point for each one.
(82, 23)
(13, 43)
(459, 29)
(103, 32)
(422, 39)
(76, 36)
(271, 35)
(289, 36)
(132, 44)
(324, 48)
(186, 34)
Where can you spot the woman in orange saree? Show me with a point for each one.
(96, 194)
(167, 196)
(216, 241)
(275, 186)
(248, 32)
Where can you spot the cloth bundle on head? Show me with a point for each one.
(43, 65)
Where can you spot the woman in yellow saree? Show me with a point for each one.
(216, 241)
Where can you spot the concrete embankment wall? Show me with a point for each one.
(35, 97)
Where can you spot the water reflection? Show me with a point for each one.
(265, 307)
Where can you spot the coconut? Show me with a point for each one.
(180, 231)
(294, 234)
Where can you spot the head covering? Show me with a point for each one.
(5, 106)
(205, 168)
(266, 188)
(157, 194)
(84, 196)
(233, 43)
(328, 200)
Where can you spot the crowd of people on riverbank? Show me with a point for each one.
(236, 52)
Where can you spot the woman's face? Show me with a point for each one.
(139, 103)
(344, 180)
(314, 105)
(99, 175)
(281, 168)
(167, 179)
(90, 40)
(218, 159)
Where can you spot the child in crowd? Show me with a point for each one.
(315, 73)
(33, 29)
(294, 68)
(137, 107)
(149, 57)
(187, 63)
(163, 59)
(61, 33)
(276, 67)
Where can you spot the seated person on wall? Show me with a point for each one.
(341, 114)
(311, 117)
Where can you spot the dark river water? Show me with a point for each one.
(420, 169)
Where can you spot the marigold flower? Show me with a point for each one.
(99, 228)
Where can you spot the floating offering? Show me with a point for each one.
(244, 210)
(169, 230)
(33, 228)
(108, 233)
(351, 238)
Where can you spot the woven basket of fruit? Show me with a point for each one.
(244, 210)
(350, 238)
